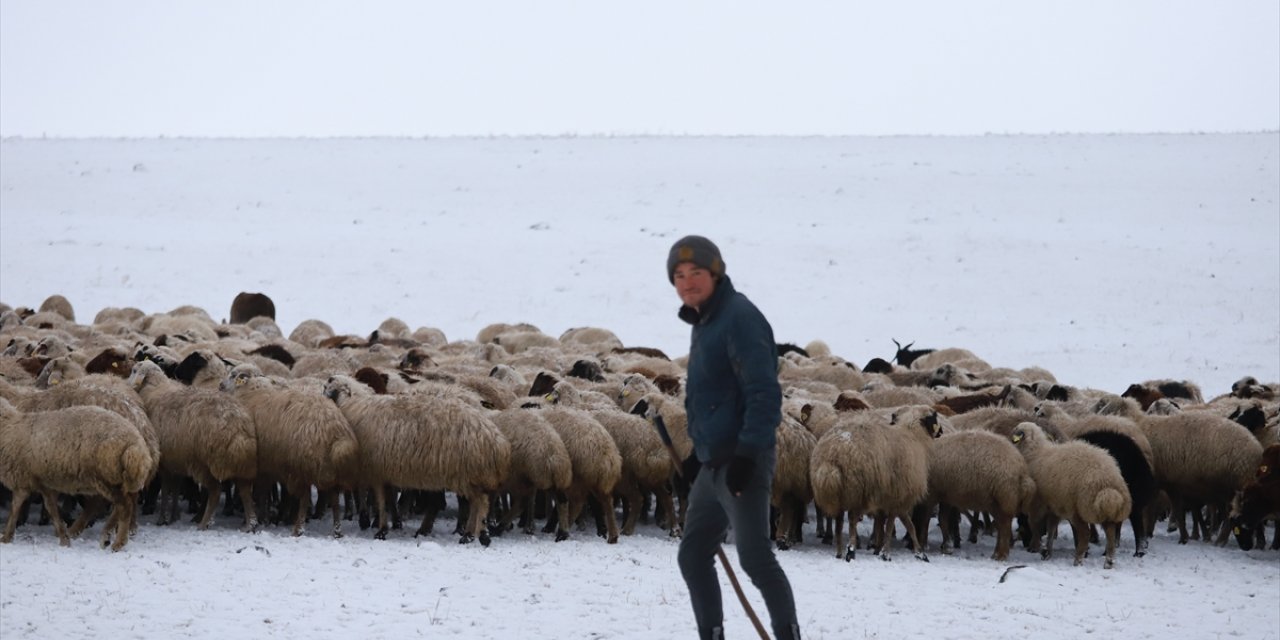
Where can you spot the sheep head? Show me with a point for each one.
(111, 361)
(927, 418)
(1027, 436)
(143, 373)
(239, 376)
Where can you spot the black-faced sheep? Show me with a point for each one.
(73, 451)
(1078, 482)
(873, 465)
(205, 435)
(416, 442)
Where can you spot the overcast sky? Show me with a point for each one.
(288, 68)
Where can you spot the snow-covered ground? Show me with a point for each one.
(1104, 259)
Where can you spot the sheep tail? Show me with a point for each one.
(136, 467)
(828, 482)
(1112, 504)
(1027, 496)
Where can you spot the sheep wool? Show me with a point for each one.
(867, 464)
(419, 442)
(303, 439)
(205, 435)
(73, 451)
(1077, 482)
(979, 471)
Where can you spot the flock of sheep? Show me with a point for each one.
(137, 413)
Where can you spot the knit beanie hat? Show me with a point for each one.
(698, 250)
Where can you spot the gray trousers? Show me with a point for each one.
(712, 510)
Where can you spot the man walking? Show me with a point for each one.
(734, 404)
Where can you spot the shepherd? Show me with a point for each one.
(734, 404)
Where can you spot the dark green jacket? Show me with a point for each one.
(732, 396)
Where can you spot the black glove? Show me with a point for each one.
(739, 474)
(690, 468)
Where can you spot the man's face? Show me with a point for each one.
(694, 284)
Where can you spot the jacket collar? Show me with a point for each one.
(724, 289)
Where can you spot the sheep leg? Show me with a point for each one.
(552, 505)
(1224, 534)
(524, 511)
(164, 495)
(667, 503)
(428, 519)
(17, 505)
(915, 541)
(562, 504)
(212, 491)
(337, 512)
(1004, 536)
(1137, 519)
(1080, 533)
(244, 487)
(610, 521)
(881, 535)
(120, 510)
(93, 508)
(229, 507)
(946, 516)
(517, 499)
(1112, 530)
(975, 524)
(839, 537)
(631, 501)
(479, 502)
(303, 496)
(782, 530)
(51, 505)
(1050, 535)
(380, 501)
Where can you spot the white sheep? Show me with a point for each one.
(597, 464)
(303, 439)
(868, 464)
(1199, 459)
(417, 442)
(205, 435)
(1124, 441)
(792, 489)
(979, 471)
(76, 451)
(539, 462)
(1078, 482)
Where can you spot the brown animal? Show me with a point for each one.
(247, 306)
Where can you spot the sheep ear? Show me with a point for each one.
(1016, 437)
(806, 412)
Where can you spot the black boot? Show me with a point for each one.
(791, 632)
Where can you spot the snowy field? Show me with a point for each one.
(1105, 259)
